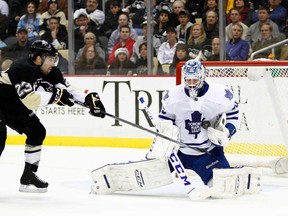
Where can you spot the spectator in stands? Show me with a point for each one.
(246, 13)
(278, 14)
(167, 49)
(210, 5)
(216, 50)
(125, 41)
(197, 40)
(132, 6)
(210, 24)
(62, 6)
(111, 18)
(181, 54)
(265, 40)
(90, 63)
(56, 34)
(183, 29)
(52, 10)
(91, 39)
(83, 26)
(21, 48)
(140, 40)
(16, 10)
(30, 20)
(4, 20)
(95, 15)
(121, 65)
(177, 6)
(195, 8)
(236, 48)
(140, 16)
(142, 62)
(253, 33)
(234, 16)
(163, 20)
(115, 36)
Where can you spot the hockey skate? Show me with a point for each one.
(31, 183)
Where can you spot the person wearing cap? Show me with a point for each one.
(95, 15)
(125, 41)
(82, 27)
(121, 64)
(167, 49)
(62, 5)
(183, 29)
(143, 38)
(21, 48)
(52, 10)
(141, 14)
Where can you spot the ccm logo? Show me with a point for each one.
(139, 178)
(179, 169)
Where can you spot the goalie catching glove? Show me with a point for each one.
(61, 97)
(92, 100)
(219, 135)
(162, 148)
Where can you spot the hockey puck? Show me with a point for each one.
(206, 124)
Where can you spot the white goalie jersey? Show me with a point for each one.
(191, 114)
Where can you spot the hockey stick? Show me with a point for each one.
(193, 192)
(143, 128)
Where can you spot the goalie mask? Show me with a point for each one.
(194, 76)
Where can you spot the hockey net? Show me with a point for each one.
(261, 88)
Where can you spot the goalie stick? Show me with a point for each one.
(193, 192)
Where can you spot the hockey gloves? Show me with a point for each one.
(61, 97)
(92, 100)
(219, 135)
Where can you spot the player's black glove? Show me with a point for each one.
(92, 100)
(61, 97)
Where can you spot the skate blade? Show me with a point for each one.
(32, 189)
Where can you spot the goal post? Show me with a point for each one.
(261, 88)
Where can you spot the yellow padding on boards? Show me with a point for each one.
(257, 149)
(87, 141)
(233, 148)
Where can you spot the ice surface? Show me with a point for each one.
(67, 169)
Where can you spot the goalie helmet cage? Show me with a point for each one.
(261, 88)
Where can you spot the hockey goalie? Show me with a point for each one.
(199, 118)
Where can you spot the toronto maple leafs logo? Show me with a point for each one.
(228, 94)
(194, 125)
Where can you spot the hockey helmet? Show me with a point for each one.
(42, 48)
(194, 76)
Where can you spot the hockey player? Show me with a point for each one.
(27, 85)
(204, 116)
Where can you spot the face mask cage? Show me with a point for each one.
(194, 76)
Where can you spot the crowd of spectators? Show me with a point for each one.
(110, 36)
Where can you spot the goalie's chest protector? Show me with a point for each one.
(190, 113)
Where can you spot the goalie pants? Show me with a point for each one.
(204, 164)
(17, 116)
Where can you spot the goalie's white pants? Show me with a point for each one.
(131, 176)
